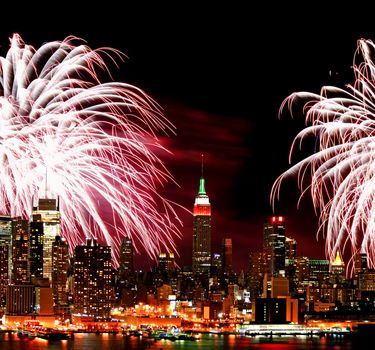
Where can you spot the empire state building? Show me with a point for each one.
(202, 231)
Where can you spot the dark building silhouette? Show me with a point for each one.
(274, 244)
(270, 310)
(360, 263)
(202, 231)
(126, 258)
(126, 285)
(226, 247)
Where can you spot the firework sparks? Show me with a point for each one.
(94, 144)
(342, 168)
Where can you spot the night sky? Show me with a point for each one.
(221, 74)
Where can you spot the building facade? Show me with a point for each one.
(44, 228)
(201, 259)
(5, 257)
(274, 244)
(93, 292)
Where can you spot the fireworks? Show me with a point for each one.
(342, 168)
(65, 134)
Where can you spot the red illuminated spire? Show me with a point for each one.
(202, 204)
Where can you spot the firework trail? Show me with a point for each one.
(342, 168)
(94, 144)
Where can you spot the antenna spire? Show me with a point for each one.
(202, 186)
(202, 163)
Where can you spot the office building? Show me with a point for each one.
(44, 228)
(126, 258)
(60, 265)
(20, 252)
(202, 231)
(5, 257)
(93, 292)
(274, 244)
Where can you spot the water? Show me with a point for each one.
(206, 342)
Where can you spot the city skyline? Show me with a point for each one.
(223, 96)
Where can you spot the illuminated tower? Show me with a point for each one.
(202, 230)
(337, 265)
(274, 244)
(44, 228)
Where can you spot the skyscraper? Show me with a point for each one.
(5, 256)
(274, 244)
(257, 268)
(44, 228)
(20, 252)
(227, 254)
(202, 231)
(60, 264)
(360, 263)
(126, 258)
(20, 294)
(93, 292)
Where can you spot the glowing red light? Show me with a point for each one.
(275, 219)
(202, 210)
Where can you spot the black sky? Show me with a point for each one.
(221, 74)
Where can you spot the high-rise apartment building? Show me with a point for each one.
(93, 292)
(20, 294)
(20, 252)
(5, 256)
(274, 244)
(258, 267)
(202, 231)
(60, 265)
(44, 228)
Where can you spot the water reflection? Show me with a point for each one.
(84, 341)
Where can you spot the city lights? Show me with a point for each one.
(91, 145)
